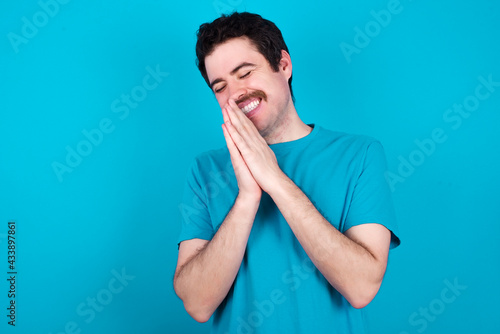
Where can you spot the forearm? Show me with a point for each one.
(349, 267)
(204, 281)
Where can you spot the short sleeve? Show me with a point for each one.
(371, 200)
(196, 221)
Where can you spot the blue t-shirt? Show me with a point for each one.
(278, 289)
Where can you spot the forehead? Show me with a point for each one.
(229, 55)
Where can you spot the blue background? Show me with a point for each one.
(117, 210)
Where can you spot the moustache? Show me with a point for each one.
(257, 93)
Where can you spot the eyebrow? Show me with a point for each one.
(236, 69)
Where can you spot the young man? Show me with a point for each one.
(288, 228)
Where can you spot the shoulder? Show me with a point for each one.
(221, 153)
(210, 161)
(354, 143)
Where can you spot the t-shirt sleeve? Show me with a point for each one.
(196, 221)
(371, 199)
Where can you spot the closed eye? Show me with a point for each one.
(218, 90)
(245, 75)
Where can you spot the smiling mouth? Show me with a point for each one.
(251, 101)
(250, 106)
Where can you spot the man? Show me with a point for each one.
(288, 228)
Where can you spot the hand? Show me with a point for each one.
(248, 187)
(252, 147)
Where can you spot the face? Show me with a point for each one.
(236, 70)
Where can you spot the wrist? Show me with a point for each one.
(248, 201)
(279, 185)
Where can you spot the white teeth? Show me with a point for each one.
(250, 107)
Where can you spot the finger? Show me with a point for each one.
(242, 129)
(236, 110)
(248, 124)
(231, 146)
(239, 121)
(237, 139)
(241, 116)
(233, 116)
(225, 116)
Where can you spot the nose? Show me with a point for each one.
(237, 91)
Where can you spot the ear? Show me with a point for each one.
(286, 64)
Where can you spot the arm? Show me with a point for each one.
(354, 263)
(206, 269)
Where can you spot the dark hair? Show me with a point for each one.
(263, 33)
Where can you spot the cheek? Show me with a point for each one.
(271, 84)
(221, 100)
(281, 82)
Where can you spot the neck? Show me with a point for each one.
(289, 128)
